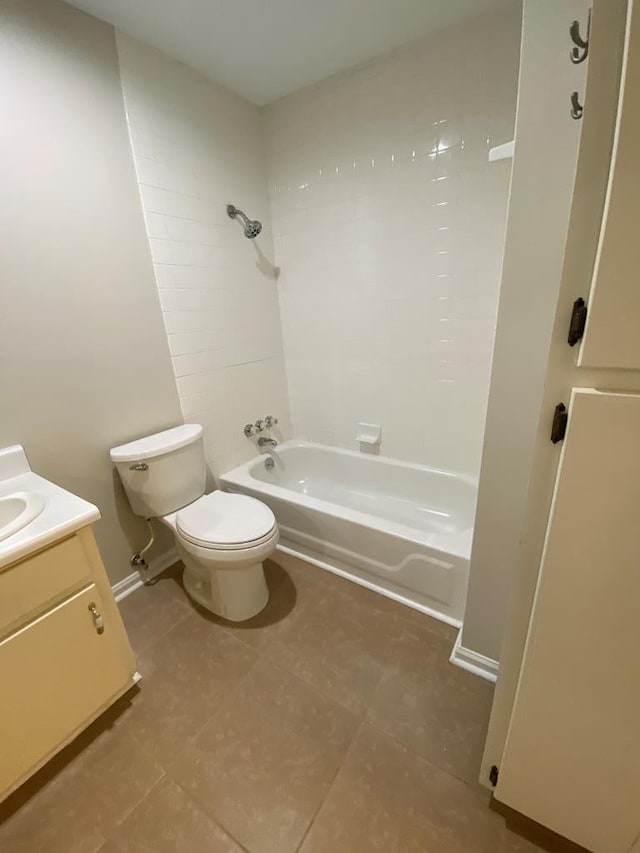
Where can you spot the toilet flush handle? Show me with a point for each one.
(139, 466)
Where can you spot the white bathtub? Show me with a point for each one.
(401, 529)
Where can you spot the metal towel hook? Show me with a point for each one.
(580, 43)
(576, 107)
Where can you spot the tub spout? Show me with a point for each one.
(267, 442)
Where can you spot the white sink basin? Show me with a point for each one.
(17, 510)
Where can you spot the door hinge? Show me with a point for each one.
(577, 322)
(559, 423)
(493, 775)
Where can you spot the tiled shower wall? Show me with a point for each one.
(388, 226)
(197, 147)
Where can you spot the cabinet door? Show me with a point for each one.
(611, 337)
(56, 673)
(572, 756)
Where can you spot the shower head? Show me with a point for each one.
(251, 226)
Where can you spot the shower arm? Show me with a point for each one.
(234, 211)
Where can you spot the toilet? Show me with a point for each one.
(222, 538)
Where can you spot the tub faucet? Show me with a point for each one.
(264, 442)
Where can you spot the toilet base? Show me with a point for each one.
(234, 594)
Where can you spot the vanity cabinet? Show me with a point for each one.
(64, 653)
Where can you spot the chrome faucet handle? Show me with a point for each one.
(259, 426)
(267, 442)
(270, 421)
(249, 430)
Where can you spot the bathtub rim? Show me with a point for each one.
(457, 544)
(368, 458)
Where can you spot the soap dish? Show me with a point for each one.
(369, 436)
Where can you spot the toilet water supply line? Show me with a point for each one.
(138, 561)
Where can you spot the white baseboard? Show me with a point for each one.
(473, 661)
(134, 581)
(126, 586)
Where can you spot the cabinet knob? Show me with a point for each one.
(98, 619)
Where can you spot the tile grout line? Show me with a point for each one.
(475, 787)
(331, 784)
(262, 656)
(166, 769)
(262, 659)
(111, 835)
(214, 820)
(380, 729)
(187, 793)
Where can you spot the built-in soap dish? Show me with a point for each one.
(369, 437)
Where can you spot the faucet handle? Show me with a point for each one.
(249, 430)
(259, 425)
(270, 421)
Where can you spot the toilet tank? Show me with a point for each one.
(163, 472)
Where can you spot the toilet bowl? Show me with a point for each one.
(222, 538)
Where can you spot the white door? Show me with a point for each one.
(571, 759)
(572, 756)
(612, 337)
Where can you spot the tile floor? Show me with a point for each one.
(330, 723)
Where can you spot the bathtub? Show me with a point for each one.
(403, 530)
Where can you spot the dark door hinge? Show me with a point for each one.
(493, 775)
(577, 322)
(559, 423)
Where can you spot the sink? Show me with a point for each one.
(17, 510)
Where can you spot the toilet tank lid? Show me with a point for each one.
(157, 444)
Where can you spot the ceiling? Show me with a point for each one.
(264, 49)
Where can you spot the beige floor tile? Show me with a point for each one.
(526, 836)
(381, 604)
(512, 843)
(266, 759)
(339, 645)
(115, 774)
(151, 611)
(387, 799)
(252, 722)
(85, 800)
(432, 707)
(420, 620)
(186, 675)
(169, 821)
(50, 823)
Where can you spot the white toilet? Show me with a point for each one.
(222, 538)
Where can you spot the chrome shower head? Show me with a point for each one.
(252, 229)
(251, 226)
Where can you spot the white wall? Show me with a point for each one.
(197, 147)
(389, 224)
(84, 362)
(540, 203)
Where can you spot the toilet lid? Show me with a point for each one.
(224, 519)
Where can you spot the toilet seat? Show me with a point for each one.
(222, 521)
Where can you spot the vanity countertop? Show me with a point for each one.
(62, 514)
